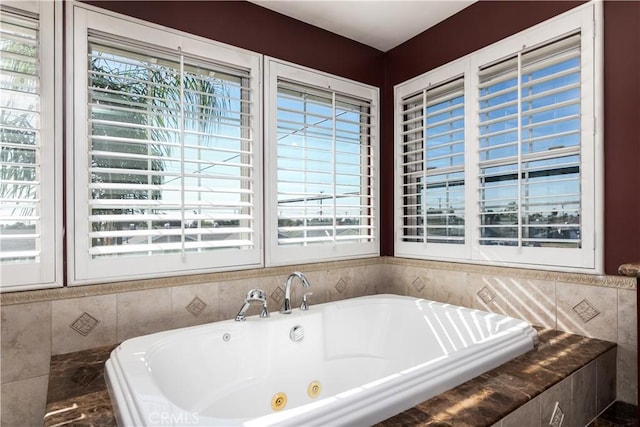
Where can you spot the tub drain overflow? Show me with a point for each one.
(278, 401)
(296, 333)
(314, 389)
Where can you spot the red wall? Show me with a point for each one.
(246, 25)
(622, 132)
(486, 22)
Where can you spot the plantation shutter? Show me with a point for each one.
(325, 167)
(20, 139)
(171, 152)
(529, 145)
(27, 162)
(432, 164)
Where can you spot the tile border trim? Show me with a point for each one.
(13, 298)
(557, 276)
(62, 293)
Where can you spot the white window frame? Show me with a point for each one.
(446, 73)
(589, 258)
(81, 268)
(276, 254)
(48, 272)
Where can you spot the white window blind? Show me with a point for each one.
(27, 162)
(171, 157)
(325, 165)
(324, 188)
(432, 162)
(505, 168)
(529, 143)
(20, 139)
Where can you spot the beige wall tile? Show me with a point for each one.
(360, 281)
(143, 312)
(417, 282)
(343, 284)
(26, 340)
(451, 287)
(83, 323)
(395, 283)
(627, 373)
(605, 380)
(24, 402)
(370, 280)
(384, 278)
(560, 394)
(528, 415)
(526, 299)
(627, 316)
(584, 394)
(587, 310)
(231, 296)
(194, 305)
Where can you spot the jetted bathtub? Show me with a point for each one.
(352, 362)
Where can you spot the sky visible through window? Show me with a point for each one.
(531, 197)
(443, 197)
(324, 166)
(529, 132)
(171, 149)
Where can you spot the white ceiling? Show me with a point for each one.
(382, 24)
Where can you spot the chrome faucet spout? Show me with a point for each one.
(254, 295)
(286, 305)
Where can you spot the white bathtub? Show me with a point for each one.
(372, 357)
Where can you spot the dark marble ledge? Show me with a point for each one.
(77, 393)
(77, 390)
(631, 269)
(488, 398)
(619, 414)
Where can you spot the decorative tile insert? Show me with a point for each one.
(278, 295)
(557, 417)
(196, 306)
(418, 284)
(486, 295)
(586, 310)
(341, 285)
(84, 324)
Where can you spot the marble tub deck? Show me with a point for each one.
(77, 392)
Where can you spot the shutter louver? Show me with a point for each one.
(325, 167)
(171, 153)
(432, 156)
(529, 147)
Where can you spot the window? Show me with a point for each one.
(167, 152)
(431, 150)
(497, 152)
(529, 143)
(321, 167)
(30, 174)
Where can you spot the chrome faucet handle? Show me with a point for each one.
(305, 301)
(260, 296)
(257, 295)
